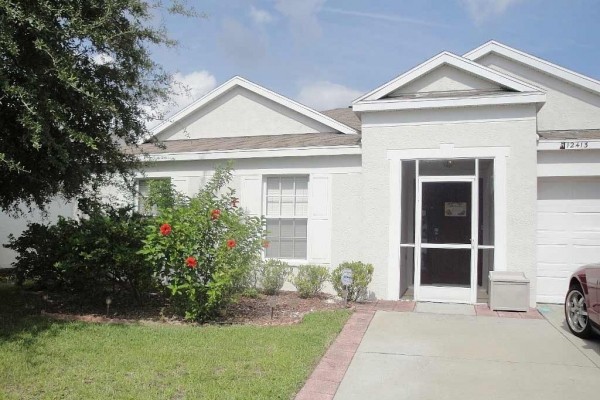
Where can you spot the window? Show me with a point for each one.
(142, 195)
(287, 214)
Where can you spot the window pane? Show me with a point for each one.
(272, 205)
(300, 228)
(486, 202)
(287, 206)
(287, 186)
(287, 228)
(273, 228)
(301, 206)
(286, 249)
(446, 267)
(273, 249)
(407, 202)
(272, 186)
(301, 186)
(446, 167)
(300, 248)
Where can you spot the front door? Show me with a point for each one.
(446, 239)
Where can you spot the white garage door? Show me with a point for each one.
(568, 232)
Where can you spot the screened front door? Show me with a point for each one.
(446, 237)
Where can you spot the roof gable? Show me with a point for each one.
(571, 103)
(534, 62)
(242, 108)
(470, 71)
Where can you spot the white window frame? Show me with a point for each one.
(292, 261)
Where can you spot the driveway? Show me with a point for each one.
(441, 354)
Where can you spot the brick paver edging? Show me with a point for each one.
(327, 376)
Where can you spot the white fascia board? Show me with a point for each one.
(446, 58)
(238, 81)
(534, 62)
(262, 153)
(579, 144)
(447, 102)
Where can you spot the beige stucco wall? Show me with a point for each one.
(567, 106)
(241, 112)
(463, 129)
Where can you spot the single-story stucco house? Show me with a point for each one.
(462, 165)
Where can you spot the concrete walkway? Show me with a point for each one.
(431, 354)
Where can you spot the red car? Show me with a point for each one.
(582, 304)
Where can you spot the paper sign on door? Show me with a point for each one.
(455, 209)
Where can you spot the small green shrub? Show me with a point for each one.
(362, 275)
(310, 279)
(251, 293)
(272, 274)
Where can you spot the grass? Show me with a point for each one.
(41, 358)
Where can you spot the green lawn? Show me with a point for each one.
(40, 358)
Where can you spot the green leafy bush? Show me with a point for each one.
(362, 275)
(202, 248)
(88, 255)
(310, 279)
(272, 274)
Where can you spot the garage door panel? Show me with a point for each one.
(568, 232)
(554, 270)
(552, 287)
(585, 254)
(552, 253)
(552, 221)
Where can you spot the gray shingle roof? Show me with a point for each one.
(252, 142)
(575, 134)
(344, 115)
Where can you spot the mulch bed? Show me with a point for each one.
(283, 309)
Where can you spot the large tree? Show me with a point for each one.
(76, 85)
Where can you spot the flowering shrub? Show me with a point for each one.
(310, 279)
(202, 248)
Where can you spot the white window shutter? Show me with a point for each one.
(181, 185)
(319, 219)
(251, 194)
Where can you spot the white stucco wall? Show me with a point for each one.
(16, 225)
(517, 131)
(241, 112)
(347, 221)
(567, 106)
(445, 79)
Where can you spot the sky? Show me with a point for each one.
(325, 53)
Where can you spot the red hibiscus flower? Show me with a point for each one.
(266, 244)
(215, 214)
(231, 243)
(191, 262)
(165, 229)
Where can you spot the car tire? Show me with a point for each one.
(576, 313)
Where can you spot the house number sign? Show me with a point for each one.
(574, 145)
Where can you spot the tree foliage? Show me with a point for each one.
(77, 84)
